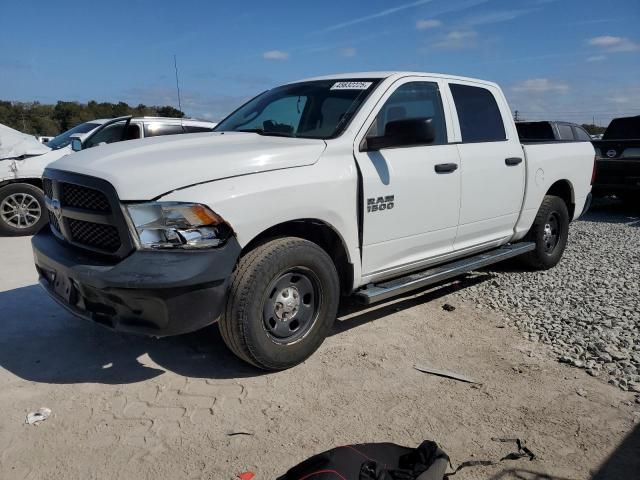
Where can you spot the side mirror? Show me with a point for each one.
(401, 133)
(76, 144)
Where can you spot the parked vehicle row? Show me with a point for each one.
(549, 130)
(22, 208)
(370, 185)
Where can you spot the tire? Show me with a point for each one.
(549, 232)
(261, 324)
(22, 209)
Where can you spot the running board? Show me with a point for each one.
(382, 291)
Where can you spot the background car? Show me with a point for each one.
(22, 208)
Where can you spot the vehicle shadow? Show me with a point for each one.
(624, 461)
(41, 342)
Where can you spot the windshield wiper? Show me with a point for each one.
(267, 133)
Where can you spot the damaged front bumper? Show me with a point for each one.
(158, 293)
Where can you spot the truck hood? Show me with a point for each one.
(145, 169)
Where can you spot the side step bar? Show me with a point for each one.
(382, 291)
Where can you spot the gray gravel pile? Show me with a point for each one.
(587, 307)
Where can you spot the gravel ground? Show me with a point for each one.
(588, 307)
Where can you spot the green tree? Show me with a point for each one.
(593, 129)
(42, 119)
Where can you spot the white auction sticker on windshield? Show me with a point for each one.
(351, 85)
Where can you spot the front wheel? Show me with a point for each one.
(282, 303)
(22, 209)
(549, 232)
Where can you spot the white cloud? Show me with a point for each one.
(496, 17)
(610, 43)
(540, 85)
(427, 24)
(348, 52)
(457, 40)
(275, 55)
(596, 58)
(366, 18)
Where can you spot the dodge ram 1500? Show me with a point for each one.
(371, 184)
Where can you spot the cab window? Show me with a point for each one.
(113, 133)
(581, 134)
(413, 100)
(565, 132)
(157, 129)
(478, 113)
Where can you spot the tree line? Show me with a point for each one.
(36, 118)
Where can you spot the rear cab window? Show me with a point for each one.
(478, 113)
(535, 131)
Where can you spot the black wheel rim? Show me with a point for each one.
(291, 305)
(551, 232)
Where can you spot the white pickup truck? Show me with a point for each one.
(371, 184)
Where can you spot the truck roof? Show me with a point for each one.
(394, 73)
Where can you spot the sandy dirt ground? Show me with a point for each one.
(138, 408)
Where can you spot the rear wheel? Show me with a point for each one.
(549, 232)
(282, 303)
(22, 209)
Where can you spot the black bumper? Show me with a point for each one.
(617, 176)
(156, 293)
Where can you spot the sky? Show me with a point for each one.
(575, 60)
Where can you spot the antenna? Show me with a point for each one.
(175, 65)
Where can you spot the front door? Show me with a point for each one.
(410, 193)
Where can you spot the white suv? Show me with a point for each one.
(22, 210)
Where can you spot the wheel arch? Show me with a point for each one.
(564, 190)
(319, 232)
(36, 182)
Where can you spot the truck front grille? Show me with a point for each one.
(82, 197)
(85, 212)
(96, 235)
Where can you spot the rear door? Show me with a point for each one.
(492, 165)
(410, 210)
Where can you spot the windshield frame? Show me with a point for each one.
(365, 93)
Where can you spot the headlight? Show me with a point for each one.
(177, 225)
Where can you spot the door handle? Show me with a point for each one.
(510, 162)
(446, 167)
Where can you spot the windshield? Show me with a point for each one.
(623, 129)
(316, 109)
(64, 139)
